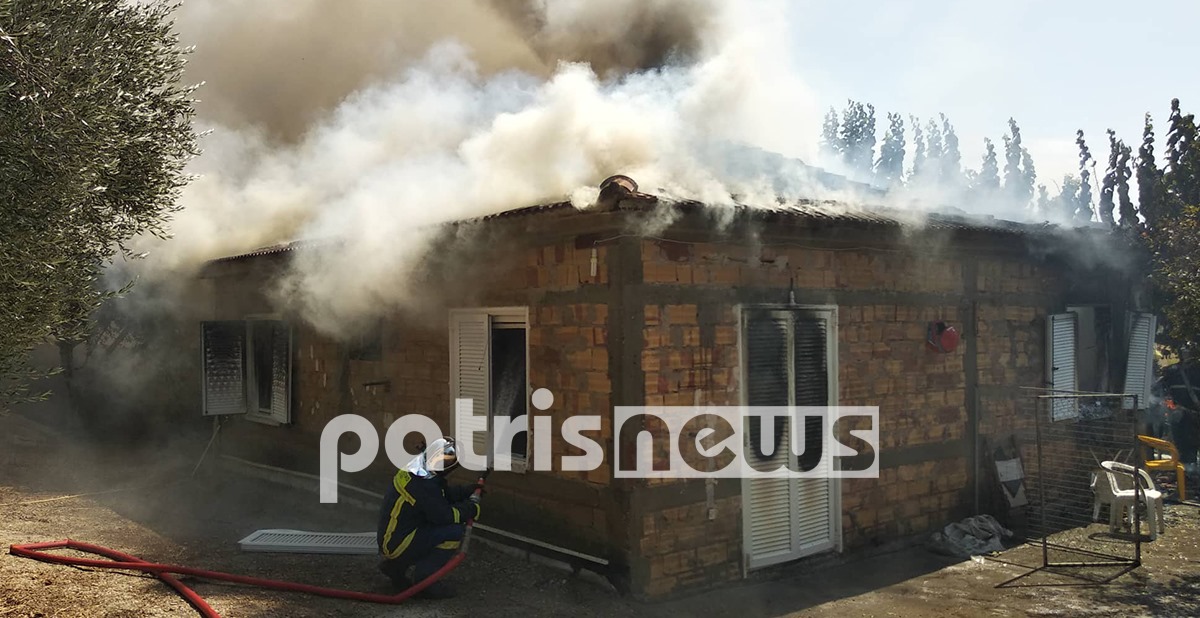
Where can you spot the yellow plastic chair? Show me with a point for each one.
(1174, 463)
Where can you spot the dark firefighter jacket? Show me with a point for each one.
(413, 502)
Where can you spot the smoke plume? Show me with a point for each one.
(370, 120)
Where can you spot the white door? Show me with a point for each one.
(786, 362)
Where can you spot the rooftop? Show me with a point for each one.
(620, 193)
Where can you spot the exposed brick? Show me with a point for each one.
(681, 314)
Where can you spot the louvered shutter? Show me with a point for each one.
(771, 505)
(1060, 345)
(469, 350)
(224, 365)
(281, 372)
(1139, 366)
(811, 381)
(766, 373)
(815, 526)
(788, 364)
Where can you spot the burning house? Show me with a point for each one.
(641, 302)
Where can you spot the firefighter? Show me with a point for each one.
(422, 519)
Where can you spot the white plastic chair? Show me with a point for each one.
(1114, 486)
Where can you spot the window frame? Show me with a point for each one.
(253, 412)
(250, 410)
(512, 317)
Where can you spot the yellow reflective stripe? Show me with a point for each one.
(393, 518)
(399, 482)
(457, 515)
(403, 546)
(449, 545)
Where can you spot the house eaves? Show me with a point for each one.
(821, 213)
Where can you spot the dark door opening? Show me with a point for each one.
(509, 398)
(262, 346)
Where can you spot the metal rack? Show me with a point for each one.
(1075, 433)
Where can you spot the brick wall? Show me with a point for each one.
(568, 354)
(886, 300)
(676, 340)
(690, 355)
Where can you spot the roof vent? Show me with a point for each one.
(613, 190)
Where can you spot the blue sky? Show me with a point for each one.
(1055, 66)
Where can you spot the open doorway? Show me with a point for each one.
(489, 359)
(508, 379)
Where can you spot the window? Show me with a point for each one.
(368, 346)
(1077, 356)
(789, 359)
(489, 366)
(247, 368)
(1094, 330)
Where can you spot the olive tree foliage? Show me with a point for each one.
(95, 132)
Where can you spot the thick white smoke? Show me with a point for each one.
(368, 121)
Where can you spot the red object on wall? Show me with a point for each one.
(942, 337)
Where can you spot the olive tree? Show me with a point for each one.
(95, 133)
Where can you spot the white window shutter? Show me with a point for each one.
(470, 343)
(1139, 366)
(281, 372)
(223, 345)
(1060, 364)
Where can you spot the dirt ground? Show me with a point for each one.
(161, 513)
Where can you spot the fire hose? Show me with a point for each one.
(166, 572)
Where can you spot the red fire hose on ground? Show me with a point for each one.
(166, 572)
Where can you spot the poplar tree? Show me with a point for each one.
(890, 167)
(1083, 210)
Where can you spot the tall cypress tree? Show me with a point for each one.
(918, 165)
(1109, 185)
(933, 152)
(1083, 210)
(866, 155)
(1067, 202)
(1175, 133)
(1029, 174)
(1182, 177)
(1129, 215)
(1017, 184)
(1043, 206)
(850, 133)
(889, 169)
(951, 172)
(1149, 178)
(858, 137)
(987, 181)
(831, 142)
